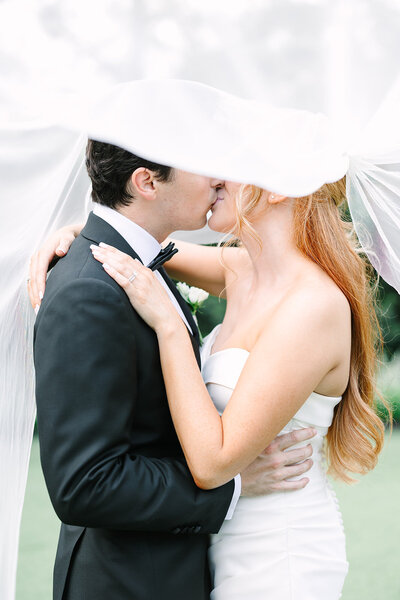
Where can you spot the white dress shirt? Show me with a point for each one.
(147, 248)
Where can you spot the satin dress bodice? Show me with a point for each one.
(282, 541)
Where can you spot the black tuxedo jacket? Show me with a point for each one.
(134, 525)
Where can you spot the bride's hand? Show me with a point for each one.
(57, 244)
(146, 294)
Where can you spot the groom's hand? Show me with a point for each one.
(279, 462)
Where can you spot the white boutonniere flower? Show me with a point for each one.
(194, 296)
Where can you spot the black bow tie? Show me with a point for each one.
(162, 257)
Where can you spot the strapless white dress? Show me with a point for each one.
(286, 545)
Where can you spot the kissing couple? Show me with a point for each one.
(177, 470)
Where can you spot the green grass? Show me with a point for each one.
(38, 539)
(372, 526)
(370, 513)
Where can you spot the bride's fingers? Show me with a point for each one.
(34, 295)
(110, 253)
(30, 283)
(38, 272)
(120, 261)
(137, 289)
(117, 276)
(110, 248)
(117, 256)
(30, 293)
(124, 267)
(64, 245)
(42, 265)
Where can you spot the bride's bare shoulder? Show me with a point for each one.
(317, 294)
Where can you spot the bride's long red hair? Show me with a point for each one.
(356, 436)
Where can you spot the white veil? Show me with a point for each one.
(293, 152)
(186, 125)
(373, 187)
(42, 170)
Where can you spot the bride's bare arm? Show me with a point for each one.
(57, 244)
(292, 355)
(201, 266)
(287, 363)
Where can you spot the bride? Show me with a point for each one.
(296, 348)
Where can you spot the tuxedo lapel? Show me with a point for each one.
(186, 311)
(97, 230)
(185, 308)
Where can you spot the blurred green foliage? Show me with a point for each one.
(389, 318)
(389, 388)
(388, 308)
(210, 314)
(389, 375)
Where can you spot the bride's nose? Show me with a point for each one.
(217, 183)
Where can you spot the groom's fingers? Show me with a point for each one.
(291, 457)
(294, 437)
(286, 486)
(294, 470)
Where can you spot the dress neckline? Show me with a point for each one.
(211, 353)
(213, 335)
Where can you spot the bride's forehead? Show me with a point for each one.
(181, 176)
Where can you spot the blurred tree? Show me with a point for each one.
(389, 317)
(211, 313)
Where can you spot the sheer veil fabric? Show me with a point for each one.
(293, 152)
(43, 175)
(186, 125)
(373, 187)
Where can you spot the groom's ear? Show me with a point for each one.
(142, 183)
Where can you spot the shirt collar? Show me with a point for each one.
(144, 244)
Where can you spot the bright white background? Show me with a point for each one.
(335, 56)
(331, 55)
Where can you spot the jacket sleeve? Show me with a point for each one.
(86, 388)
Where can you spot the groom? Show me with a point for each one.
(134, 525)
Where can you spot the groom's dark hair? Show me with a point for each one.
(110, 167)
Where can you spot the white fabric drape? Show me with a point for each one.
(192, 127)
(373, 187)
(35, 162)
(293, 152)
